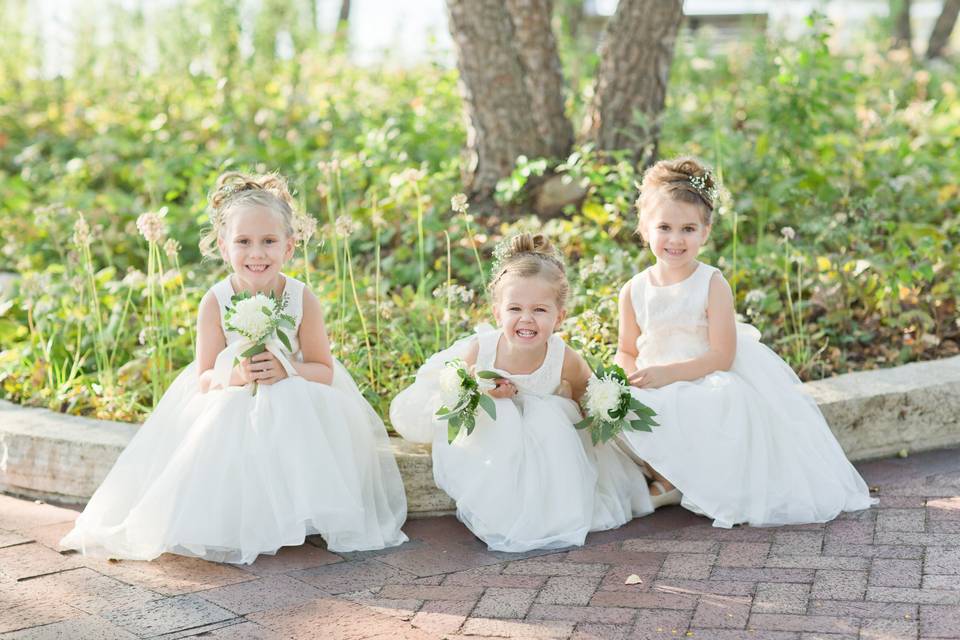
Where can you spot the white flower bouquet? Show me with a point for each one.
(463, 394)
(258, 318)
(611, 408)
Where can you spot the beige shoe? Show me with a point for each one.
(665, 497)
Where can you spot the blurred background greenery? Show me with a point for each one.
(838, 155)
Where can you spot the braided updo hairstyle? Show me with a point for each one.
(527, 255)
(681, 180)
(235, 191)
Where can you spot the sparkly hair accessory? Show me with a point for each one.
(502, 253)
(699, 183)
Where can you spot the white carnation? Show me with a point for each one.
(603, 396)
(249, 319)
(450, 386)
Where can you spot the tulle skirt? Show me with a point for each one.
(747, 445)
(528, 479)
(227, 475)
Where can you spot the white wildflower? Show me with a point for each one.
(346, 226)
(304, 227)
(603, 396)
(171, 247)
(755, 297)
(459, 203)
(81, 232)
(135, 278)
(150, 225)
(407, 175)
(788, 233)
(596, 266)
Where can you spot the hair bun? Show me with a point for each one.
(530, 243)
(685, 179)
(527, 255)
(233, 182)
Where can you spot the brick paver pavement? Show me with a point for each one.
(889, 573)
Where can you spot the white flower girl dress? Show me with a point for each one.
(745, 445)
(227, 475)
(528, 479)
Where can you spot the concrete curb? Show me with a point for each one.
(915, 407)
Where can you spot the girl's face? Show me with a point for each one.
(675, 231)
(527, 311)
(256, 245)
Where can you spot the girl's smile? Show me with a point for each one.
(675, 232)
(256, 245)
(528, 313)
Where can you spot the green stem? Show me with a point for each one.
(473, 243)
(363, 322)
(446, 315)
(420, 242)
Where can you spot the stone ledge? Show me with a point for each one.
(913, 407)
(874, 414)
(62, 458)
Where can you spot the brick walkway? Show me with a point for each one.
(889, 573)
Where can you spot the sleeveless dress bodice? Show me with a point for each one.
(672, 318)
(543, 381)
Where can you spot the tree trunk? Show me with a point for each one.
(536, 48)
(902, 34)
(498, 108)
(342, 32)
(943, 28)
(631, 86)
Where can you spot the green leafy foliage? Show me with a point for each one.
(463, 415)
(854, 150)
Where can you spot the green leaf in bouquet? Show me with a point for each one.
(284, 339)
(488, 375)
(452, 432)
(641, 409)
(254, 350)
(640, 425)
(584, 424)
(469, 421)
(488, 405)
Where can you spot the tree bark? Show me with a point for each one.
(902, 33)
(500, 118)
(536, 47)
(943, 28)
(631, 86)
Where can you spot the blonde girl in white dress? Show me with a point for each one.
(222, 474)
(527, 479)
(737, 436)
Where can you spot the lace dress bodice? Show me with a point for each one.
(292, 294)
(544, 380)
(672, 318)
